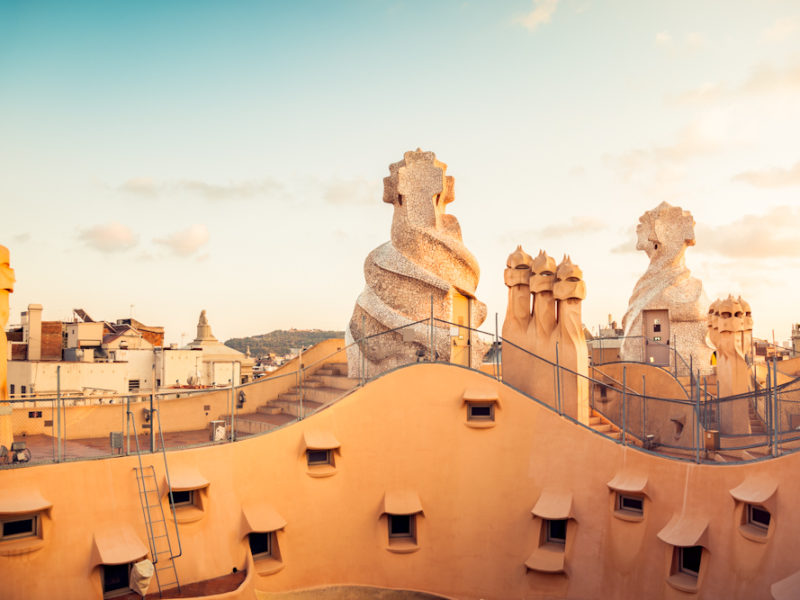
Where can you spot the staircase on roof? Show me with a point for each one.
(326, 384)
(603, 425)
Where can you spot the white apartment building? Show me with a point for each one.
(100, 359)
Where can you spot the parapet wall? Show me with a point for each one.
(406, 435)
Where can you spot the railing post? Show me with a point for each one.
(58, 413)
(558, 382)
(300, 371)
(127, 425)
(624, 398)
(776, 409)
(697, 424)
(431, 332)
(152, 401)
(363, 348)
(644, 409)
(496, 350)
(675, 356)
(233, 401)
(705, 402)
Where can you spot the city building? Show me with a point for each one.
(108, 360)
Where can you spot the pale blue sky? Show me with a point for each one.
(229, 155)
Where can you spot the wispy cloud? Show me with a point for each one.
(140, 186)
(628, 246)
(692, 41)
(351, 191)
(541, 14)
(700, 138)
(112, 237)
(696, 41)
(769, 235)
(771, 178)
(577, 171)
(186, 242)
(151, 188)
(21, 238)
(762, 80)
(782, 29)
(230, 191)
(575, 226)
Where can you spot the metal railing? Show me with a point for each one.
(688, 422)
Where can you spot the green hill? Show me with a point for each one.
(281, 341)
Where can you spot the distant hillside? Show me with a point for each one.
(281, 341)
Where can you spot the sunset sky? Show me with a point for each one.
(159, 158)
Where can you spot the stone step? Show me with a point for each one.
(603, 428)
(293, 408)
(337, 368)
(337, 381)
(268, 409)
(288, 396)
(322, 394)
(253, 423)
(594, 421)
(310, 381)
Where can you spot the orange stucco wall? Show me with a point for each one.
(407, 431)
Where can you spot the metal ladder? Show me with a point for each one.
(153, 512)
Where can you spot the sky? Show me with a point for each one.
(160, 158)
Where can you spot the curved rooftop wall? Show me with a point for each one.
(479, 493)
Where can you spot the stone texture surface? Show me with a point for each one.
(425, 263)
(663, 234)
(544, 314)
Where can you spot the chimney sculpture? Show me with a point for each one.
(730, 330)
(424, 264)
(550, 332)
(663, 234)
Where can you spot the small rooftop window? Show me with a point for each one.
(262, 524)
(320, 451)
(402, 509)
(481, 407)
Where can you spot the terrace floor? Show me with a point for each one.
(218, 585)
(43, 447)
